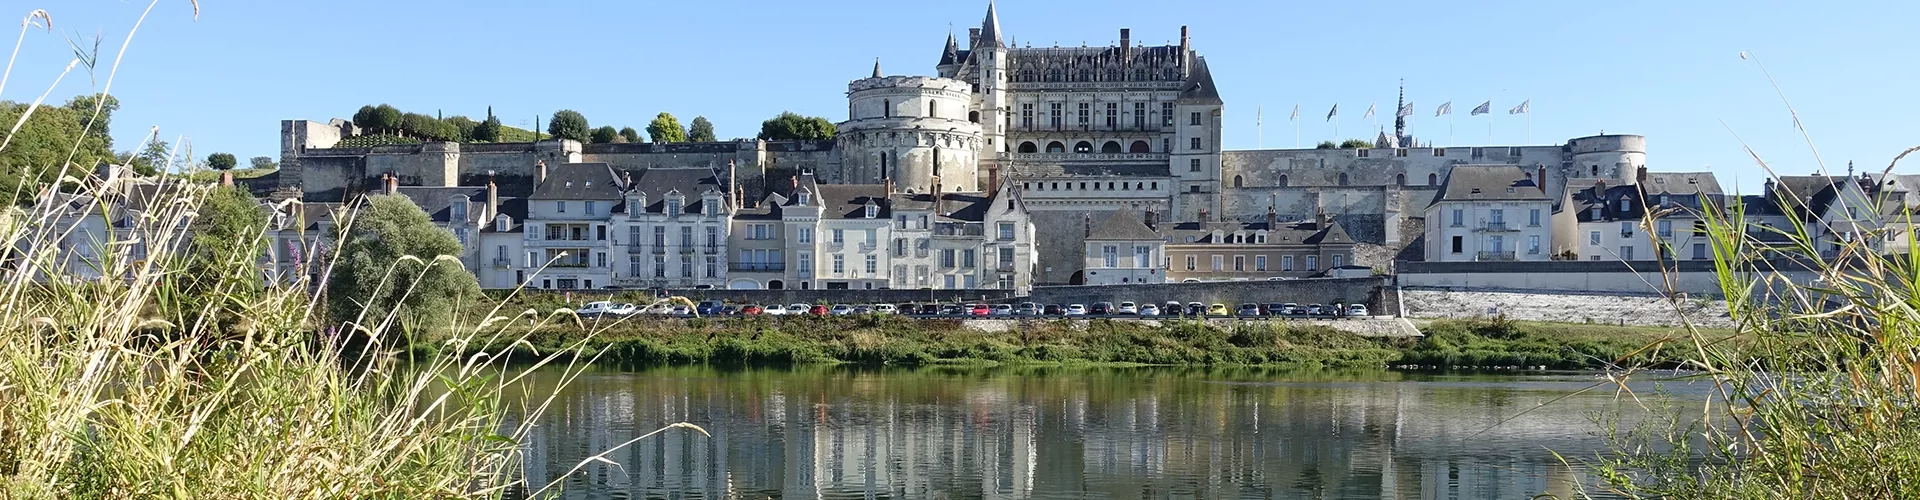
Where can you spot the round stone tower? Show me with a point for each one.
(912, 130)
(1616, 157)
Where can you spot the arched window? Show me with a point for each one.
(776, 285)
(1343, 178)
(1433, 179)
(1400, 179)
(1056, 147)
(886, 108)
(973, 116)
(1110, 147)
(1028, 147)
(1053, 74)
(1596, 170)
(1139, 147)
(933, 108)
(1236, 181)
(1083, 147)
(1283, 180)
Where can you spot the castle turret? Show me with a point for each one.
(994, 102)
(909, 130)
(949, 58)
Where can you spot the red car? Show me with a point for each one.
(751, 310)
(982, 310)
(818, 310)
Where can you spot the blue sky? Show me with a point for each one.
(1667, 70)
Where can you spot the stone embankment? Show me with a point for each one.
(1598, 308)
(1375, 326)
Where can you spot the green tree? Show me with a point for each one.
(632, 135)
(569, 124)
(665, 128)
(605, 134)
(487, 131)
(262, 163)
(368, 117)
(1327, 145)
(700, 131)
(227, 235)
(386, 118)
(462, 127)
(790, 126)
(1356, 144)
(390, 233)
(35, 154)
(83, 106)
(153, 159)
(222, 161)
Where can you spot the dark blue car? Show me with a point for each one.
(710, 307)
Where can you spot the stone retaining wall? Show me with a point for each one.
(1565, 307)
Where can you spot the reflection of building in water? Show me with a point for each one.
(838, 434)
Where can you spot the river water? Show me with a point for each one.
(838, 432)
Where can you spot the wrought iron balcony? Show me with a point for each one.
(1496, 227)
(1495, 256)
(762, 267)
(502, 262)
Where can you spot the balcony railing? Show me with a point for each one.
(757, 266)
(836, 245)
(1497, 227)
(713, 249)
(959, 230)
(868, 247)
(502, 262)
(688, 249)
(636, 249)
(1495, 256)
(1155, 157)
(1004, 267)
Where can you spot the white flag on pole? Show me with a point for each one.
(1446, 108)
(1333, 112)
(1522, 108)
(1296, 113)
(1405, 110)
(1483, 108)
(1369, 113)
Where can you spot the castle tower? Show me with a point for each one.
(949, 65)
(995, 103)
(909, 130)
(1400, 119)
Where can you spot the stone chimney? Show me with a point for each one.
(993, 180)
(1126, 40)
(888, 182)
(973, 38)
(1541, 179)
(1149, 219)
(493, 196)
(1325, 221)
(1640, 175)
(1273, 219)
(733, 188)
(539, 172)
(627, 179)
(1186, 53)
(226, 178)
(392, 182)
(1206, 216)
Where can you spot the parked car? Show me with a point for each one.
(730, 311)
(1196, 309)
(1271, 309)
(886, 308)
(1126, 308)
(799, 309)
(1076, 310)
(1100, 309)
(1217, 309)
(774, 310)
(929, 309)
(1001, 310)
(862, 309)
(681, 311)
(1357, 310)
(1027, 309)
(842, 309)
(955, 310)
(1316, 309)
(659, 309)
(1173, 308)
(819, 310)
(1291, 309)
(605, 308)
(1149, 310)
(1053, 310)
(980, 310)
(710, 307)
(751, 310)
(1248, 310)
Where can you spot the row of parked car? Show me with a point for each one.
(1176, 309)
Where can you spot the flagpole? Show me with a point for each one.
(1529, 121)
(1449, 124)
(1296, 125)
(1260, 135)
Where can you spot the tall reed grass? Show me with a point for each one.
(1818, 392)
(155, 369)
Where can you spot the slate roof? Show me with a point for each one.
(1596, 193)
(1488, 182)
(1287, 232)
(434, 200)
(849, 201)
(692, 183)
(1681, 183)
(1122, 224)
(1199, 85)
(515, 208)
(1813, 192)
(578, 181)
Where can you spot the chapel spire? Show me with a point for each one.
(1399, 118)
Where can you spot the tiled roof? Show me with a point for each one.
(849, 201)
(1489, 182)
(1287, 233)
(1122, 224)
(1681, 183)
(578, 181)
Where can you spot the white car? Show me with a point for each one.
(1357, 310)
(774, 310)
(606, 308)
(885, 309)
(1126, 308)
(799, 309)
(840, 310)
(660, 309)
(1077, 310)
(681, 311)
(1149, 310)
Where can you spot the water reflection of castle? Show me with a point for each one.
(864, 436)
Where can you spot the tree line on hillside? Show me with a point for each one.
(384, 119)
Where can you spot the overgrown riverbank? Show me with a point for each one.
(887, 340)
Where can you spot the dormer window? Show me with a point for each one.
(1626, 204)
(872, 211)
(1596, 214)
(501, 222)
(457, 209)
(673, 206)
(801, 198)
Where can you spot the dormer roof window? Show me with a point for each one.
(801, 198)
(872, 211)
